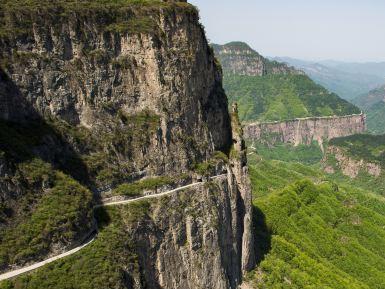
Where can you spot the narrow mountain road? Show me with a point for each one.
(92, 237)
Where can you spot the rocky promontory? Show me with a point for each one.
(95, 94)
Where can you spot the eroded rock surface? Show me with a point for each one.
(305, 131)
(112, 102)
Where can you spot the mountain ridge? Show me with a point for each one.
(346, 83)
(271, 91)
(251, 63)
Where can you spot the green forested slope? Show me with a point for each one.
(269, 90)
(376, 118)
(314, 230)
(282, 97)
(370, 148)
(373, 103)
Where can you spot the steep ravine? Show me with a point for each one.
(102, 95)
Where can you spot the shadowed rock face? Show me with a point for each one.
(151, 101)
(305, 131)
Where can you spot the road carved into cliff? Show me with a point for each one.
(94, 234)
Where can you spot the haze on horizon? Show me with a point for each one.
(343, 30)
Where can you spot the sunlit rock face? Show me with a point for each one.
(127, 100)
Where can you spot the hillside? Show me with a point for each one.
(273, 91)
(373, 97)
(368, 68)
(315, 230)
(376, 118)
(346, 82)
(373, 103)
(369, 148)
(94, 110)
(239, 58)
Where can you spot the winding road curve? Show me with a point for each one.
(92, 237)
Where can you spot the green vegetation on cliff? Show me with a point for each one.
(60, 214)
(306, 154)
(370, 148)
(117, 16)
(41, 206)
(281, 97)
(272, 91)
(44, 168)
(100, 265)
(324, 235)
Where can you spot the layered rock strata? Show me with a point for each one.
(306, 130)
(126, 89)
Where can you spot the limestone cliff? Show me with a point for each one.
(239, 58)
(336, 159)
(106, 94)
(106, 73)
(307, 130)
(357, 156)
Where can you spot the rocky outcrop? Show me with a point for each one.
(307, 130)
(200, 238)
(94, 74)
(337, 160)
(125, 93)
(239, 58)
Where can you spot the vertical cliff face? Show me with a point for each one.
(336, 159)
(356, 156)
(239, 58)
(305, 131)
(199, 239)
(106, 72)
(120, 92)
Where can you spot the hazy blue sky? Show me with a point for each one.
(352, 30)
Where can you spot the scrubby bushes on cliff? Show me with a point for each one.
(136, 188)
(208, 168)
(370, 148)
(54, 210)
(100, 265)
(119, 16)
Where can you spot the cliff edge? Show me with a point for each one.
(106, 93)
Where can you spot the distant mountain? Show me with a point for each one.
(369, 68)
(373, 103)
(270, 90)
(372, 97)
(239, 58)
(348, 80)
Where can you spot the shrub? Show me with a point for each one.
(136, 188)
